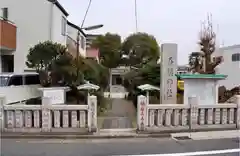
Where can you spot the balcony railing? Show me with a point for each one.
(8, 33)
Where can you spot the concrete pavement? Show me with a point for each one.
(210, 135)
(108, 147)
(120, 115)
(124, 133)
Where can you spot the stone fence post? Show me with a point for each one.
(238, 111)
(142, 112)
(46, 116)
(92, 113)
(2, 103)
(193, 102)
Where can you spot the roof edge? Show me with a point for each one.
(201, 76)
(59, 6)
(230, 47)
(76, 27)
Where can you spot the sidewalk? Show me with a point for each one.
(210, 135)
(125, 133)
(99, 135)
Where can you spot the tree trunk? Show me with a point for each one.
(110, 79)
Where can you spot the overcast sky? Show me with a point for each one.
(175, 21)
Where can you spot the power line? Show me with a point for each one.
(136, 15)
(89, 4)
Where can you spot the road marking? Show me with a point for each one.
(193, 153)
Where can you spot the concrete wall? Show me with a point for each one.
(228, 67)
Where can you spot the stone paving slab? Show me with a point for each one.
(121, 115)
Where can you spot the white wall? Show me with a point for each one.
(229, 68)
(72, 32)
(57, 35)
(32, 18)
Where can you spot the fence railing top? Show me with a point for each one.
(39, 107)
(182, 106)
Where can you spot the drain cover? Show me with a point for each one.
(182, 138)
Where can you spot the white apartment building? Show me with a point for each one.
(36, 21)
(230, 65)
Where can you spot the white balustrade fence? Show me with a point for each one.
(49, 118)
(176, 117)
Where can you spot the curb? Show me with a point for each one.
(94, 136)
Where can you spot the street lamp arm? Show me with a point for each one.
(93, 27)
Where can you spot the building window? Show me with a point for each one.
(64, 25)
(32, 79)
(236, 57)
(16, 81)
(5, 13)
(83, 42)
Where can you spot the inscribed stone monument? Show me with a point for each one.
(168, 71)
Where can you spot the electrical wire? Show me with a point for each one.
(89, 4)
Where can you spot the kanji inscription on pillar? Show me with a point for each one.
(168, 73)
(93, 111)
(142, 109)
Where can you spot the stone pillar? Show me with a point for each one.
(142, 114)
(110, 82)
(92, 113)
(46, 116)
(238, 111)
(168, 71)
(193, 112)
(2, 103)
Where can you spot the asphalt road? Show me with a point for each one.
(107, 147)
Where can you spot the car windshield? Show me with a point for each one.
(3, 80)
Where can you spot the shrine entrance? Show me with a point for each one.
(121, 114)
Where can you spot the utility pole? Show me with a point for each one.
(136, 15)
(77, 57)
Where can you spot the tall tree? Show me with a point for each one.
(44, 57)
(109, 46)
(207, 45)
(140, 47)
(149, 73)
